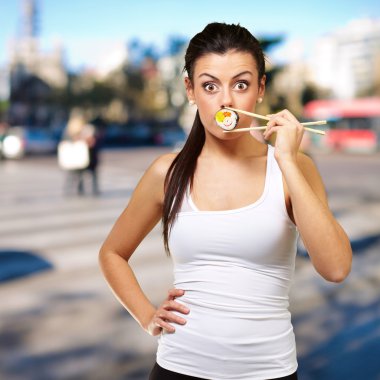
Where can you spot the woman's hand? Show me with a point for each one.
(289, 135)
(164, 314)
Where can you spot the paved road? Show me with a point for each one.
(63, 323)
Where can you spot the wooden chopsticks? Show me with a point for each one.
(318, 131)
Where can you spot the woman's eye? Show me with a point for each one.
(209, 87)
(241, 85)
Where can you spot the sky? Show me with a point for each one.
(93, 30)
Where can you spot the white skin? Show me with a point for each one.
(225, 161)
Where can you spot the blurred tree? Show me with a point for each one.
(100, 94)
(138, 51)
(267, 44)
(309, 93)
(279, 103)
(176, 45)
(4, 106)
(135, 48)
(150, 51)
(312, 92)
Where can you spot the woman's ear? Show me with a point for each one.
(262, 86)
(189, 89)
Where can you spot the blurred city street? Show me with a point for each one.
(77, 80)
(62, 321)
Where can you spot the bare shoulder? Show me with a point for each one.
(154, 177)
(160, 165)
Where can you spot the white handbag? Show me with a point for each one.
(73, 155)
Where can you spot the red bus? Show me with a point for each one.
(353, 125)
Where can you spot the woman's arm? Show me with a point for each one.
(136, 221)
(325, 240)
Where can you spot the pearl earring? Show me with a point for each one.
(259, 100)
(191, 102)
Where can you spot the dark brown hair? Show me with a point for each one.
(217, 38)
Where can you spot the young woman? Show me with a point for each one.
(232, 208)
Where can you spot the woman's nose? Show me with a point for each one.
(226, 100)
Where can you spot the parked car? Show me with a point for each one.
(122, 135)
(170, 137)
(21, 141)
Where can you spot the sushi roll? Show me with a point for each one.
(226, 119)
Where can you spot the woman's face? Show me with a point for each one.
(224, 80)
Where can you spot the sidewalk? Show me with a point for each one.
(64, 323)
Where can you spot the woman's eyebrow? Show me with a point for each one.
(242, 73)
(235, 76)
(208, 75)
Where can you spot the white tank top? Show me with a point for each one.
(236, 268)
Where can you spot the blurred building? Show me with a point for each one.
(347, 60)
(4, 83)
(288, 86)
(34, 74)
(171, 71)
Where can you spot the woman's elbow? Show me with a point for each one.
(102, 252)
(105, 256)
(109, 255)
(102, 258)
(338, 274)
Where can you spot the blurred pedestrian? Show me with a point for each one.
(3, 132)
(232, 208)
(78, 130)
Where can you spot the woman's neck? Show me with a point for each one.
(243, 146)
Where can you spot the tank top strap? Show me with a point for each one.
(275, 198)
(186, 205)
